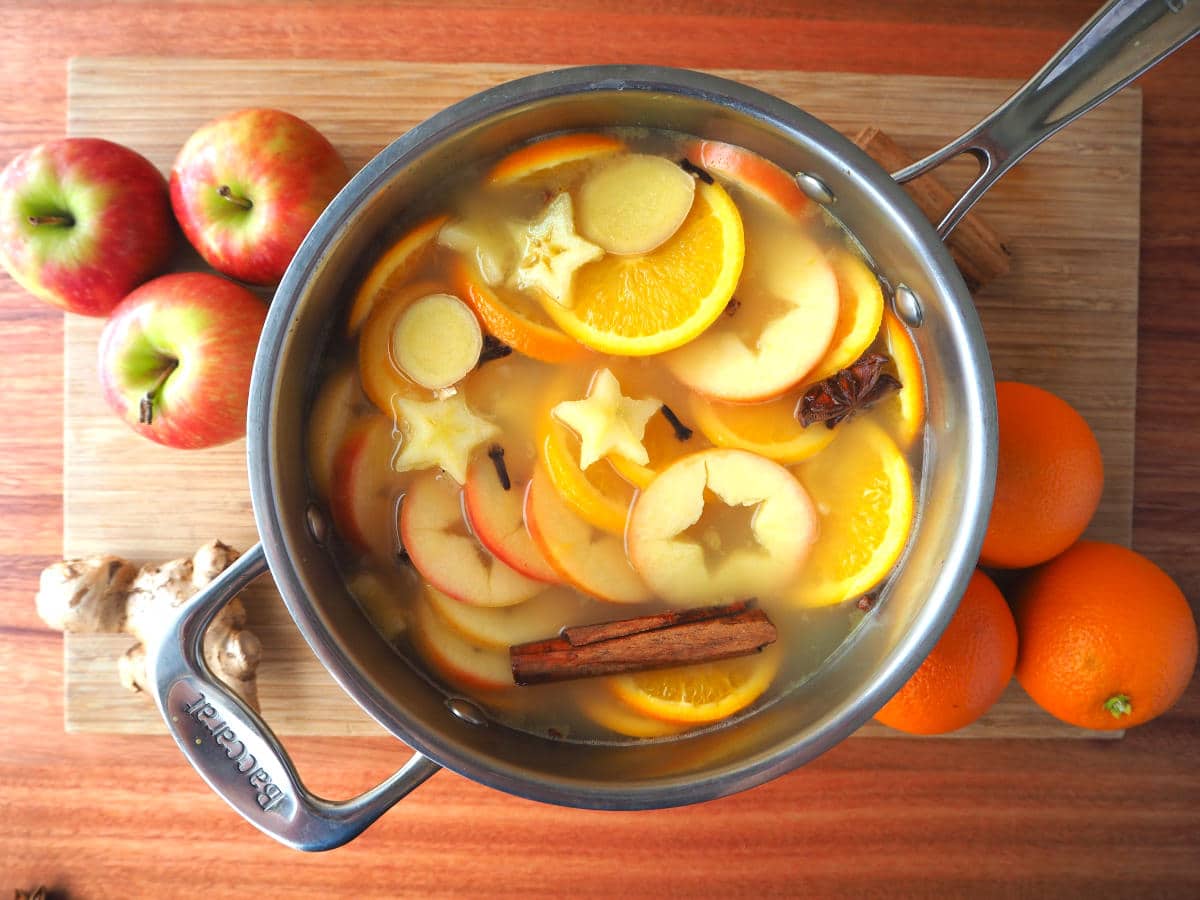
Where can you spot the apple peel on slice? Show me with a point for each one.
(435, 535)
(364, 489)
(687, 558)
(501, 627)
(455, 658)
(758, 177)
(593, 561)
(782, 327)
(497, 517)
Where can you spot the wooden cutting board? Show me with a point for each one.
(1064, 317)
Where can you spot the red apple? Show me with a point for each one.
(175, 358)
(248, 187)
(83, 222)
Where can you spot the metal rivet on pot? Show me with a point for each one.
(908, 306)
(814, 188)
(464, 709)
(318, 525)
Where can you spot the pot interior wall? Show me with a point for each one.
(398, 187)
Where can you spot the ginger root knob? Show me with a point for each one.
(106, 593)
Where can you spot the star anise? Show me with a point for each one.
(861, 384)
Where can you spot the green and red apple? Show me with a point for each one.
(248, 187)
(176, 356)
(83, 221)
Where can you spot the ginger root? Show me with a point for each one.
(106, 593)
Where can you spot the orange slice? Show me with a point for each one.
(860, 313)
(903, 414)
(508, 324)
(606, 710)
(695, 695)
(769, 429)
(641, 305)
(392, 270)
(551, 153)
(599, 494)
(863, 492)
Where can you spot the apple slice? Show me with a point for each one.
(501, 627)
(435, 534)
(593, 561)
(456, 659)
(787, 312)
(364, 489)
(338, 403)
(496, 515)
(749, 172)
(719, 525)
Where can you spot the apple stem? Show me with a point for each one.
(227, 192)
(66, 220)
(146, 407)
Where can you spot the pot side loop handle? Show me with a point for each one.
(234, 750)
(1115, 46)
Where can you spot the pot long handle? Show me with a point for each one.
(234, 750)
(1115, 46)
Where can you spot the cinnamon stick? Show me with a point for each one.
(977, 250)
(663, 640)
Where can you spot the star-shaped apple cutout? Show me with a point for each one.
(608, 422)
(439, 433)
(549, 252)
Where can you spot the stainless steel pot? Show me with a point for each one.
(235, 751)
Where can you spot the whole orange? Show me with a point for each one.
(1107, 638)
(1048, 480)
(967, 670)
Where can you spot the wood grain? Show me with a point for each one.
(96, 815)
(1036, 331)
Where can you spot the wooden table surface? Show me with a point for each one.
(107, 816)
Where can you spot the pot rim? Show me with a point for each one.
(977, 474)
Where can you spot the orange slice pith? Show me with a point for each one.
(769, 429)
(550, 153)
(863, 492)
(641, 305)
(859, 315)
(509, 326)
(698, 694)
(392, 269)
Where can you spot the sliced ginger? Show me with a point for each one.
(635, 203)
(436, 341)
